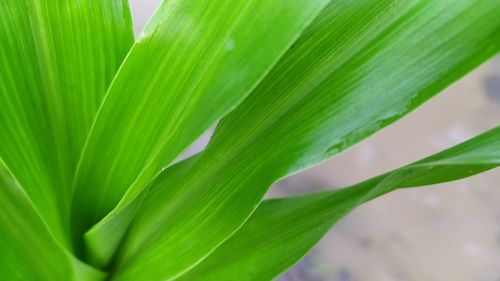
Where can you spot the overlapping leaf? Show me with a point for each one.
(360, 66)
(194, 62)
(281, 231)
(57, 60)
(28, 250)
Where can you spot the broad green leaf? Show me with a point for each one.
(28, 250)
(360, 66)
(281, 231)
(57, 60)
(194, 62)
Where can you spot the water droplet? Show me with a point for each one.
(230, 45)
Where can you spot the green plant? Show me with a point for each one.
(92, 122)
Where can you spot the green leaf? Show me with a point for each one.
(194, 62)
(281, 231)
(58, 58)
(360, 66)
(28, 250)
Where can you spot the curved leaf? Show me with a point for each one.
(360, 66)
(194, 62)
(58, 58)
(28, 250)
(281, 231)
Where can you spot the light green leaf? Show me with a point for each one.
(360, 66)
(28, 250)
(281, 231)
(194, 62)
(57, 59)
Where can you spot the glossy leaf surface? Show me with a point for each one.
(193, 63)
(360, 66)
(28, 251)
(281, 231)
(57, 60)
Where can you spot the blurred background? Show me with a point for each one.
(447, 232)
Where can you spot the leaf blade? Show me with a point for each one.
(262, 248)
(29, 251)
(322, 97)
(195, 61)
(58, 58)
